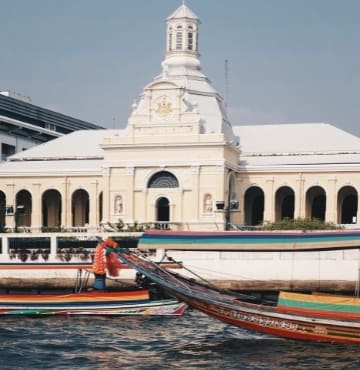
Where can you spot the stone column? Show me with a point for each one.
(130, 193)
(269, 212)
(10, 201)
(195, 173)
(36, 212)
(93, 204)
(331, 202)
(299, 211)
(66, 204)
(106, 195)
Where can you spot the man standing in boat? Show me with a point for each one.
(105, 258)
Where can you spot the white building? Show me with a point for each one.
(180, 160)
(181, 163)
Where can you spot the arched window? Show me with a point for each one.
(162, 210)
(163, 179)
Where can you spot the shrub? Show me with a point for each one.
(300, 224)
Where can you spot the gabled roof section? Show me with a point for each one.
(183, 12)
(301, 144)
(83, 144)
(296, 138)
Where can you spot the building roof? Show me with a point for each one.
(82, 144)
(295, 137)
(52, 167)
(182, 12)
(262, 146)
(296, 144)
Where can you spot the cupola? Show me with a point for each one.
(182, 38)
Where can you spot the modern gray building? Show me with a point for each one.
(23, 125)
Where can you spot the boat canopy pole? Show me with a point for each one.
(81, 281)
(357, 286)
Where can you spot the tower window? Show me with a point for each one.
(179, 40)
(170, 42)
(190, 41)
(170, 36)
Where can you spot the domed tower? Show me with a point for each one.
(178, 157)
(181, 99)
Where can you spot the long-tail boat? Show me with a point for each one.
(270, 241)
(104, 303)
(87, 301)
(312, 317)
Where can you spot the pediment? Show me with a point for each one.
(162, 85)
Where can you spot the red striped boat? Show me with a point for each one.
(316, 317)
(118, 303)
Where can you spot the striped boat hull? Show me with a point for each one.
(228, 307)
(90, 303)
(250, 240)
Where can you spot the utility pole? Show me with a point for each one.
(226, 84)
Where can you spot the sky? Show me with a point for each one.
(289, 61)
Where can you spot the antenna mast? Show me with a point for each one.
(226, 84)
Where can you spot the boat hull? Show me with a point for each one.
(250, 240)
(228, 308)
(85, 304)
(295, 327)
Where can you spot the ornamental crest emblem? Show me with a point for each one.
(164, 107)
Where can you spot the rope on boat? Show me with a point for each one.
(228, 291)
(81, 282)
(357, 285)
(192, 272)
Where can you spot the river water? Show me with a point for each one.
(191, 341)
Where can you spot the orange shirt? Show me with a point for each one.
(99, 263)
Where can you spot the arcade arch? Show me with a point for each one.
(51, 208)
(23, 208)
(315, 203)
(284, 203)
(80, 207)
(2, 210)
(347, 205)
(254, 206)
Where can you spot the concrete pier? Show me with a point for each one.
(329, 271)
